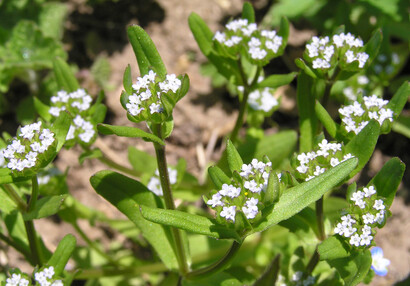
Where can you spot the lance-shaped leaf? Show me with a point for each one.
(302, 65)
(277, 80)
(60, 127)
(248, 12)
(189, 222)
(42, 109)
(326, 119)
(127, 80)
(399, 99)
(202, 34)
(334, 247)
(145, 51)
(387, 180)
(45, 207)
(271, 273)
(297, 198)
(64, 76)
(126, 131)
(61, 255)
(373, 45)
(127, 195)
(141, 162)
(90, 154)
(353, 269)
(307, 116)
(218, 177)
(234, 159)
(363, 144)
(272, 190)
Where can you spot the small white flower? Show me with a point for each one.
(229, 213)
(355, 240)
(378, 205)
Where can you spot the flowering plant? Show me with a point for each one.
(265, 199)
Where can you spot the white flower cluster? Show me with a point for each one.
(25, 150)
(357, 115)
(368, 213)
(154, 184)
(240, 34)
(314, 163)
(351, 92)
(82, 129)
(78, 100)
(17, 280)
(43, 277)
(78, 103)
(262, 99)
(243, 196)
(2, 161)
(148, 91)
(298, 281)
(323, 50)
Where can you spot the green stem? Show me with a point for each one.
(110, 272)
(21, 205)
(244, 102)
(17, 247)
(34, 194)
(314, 260)
(169, 201)
(110, 163)
(93, 245)
(217, 266)
(320, 219)
(34, 243)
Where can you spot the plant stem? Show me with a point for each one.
(244, 102)
(92, 244)
(110, 163)
(21, 205)
(34, 243)
(17, 247)
(314, 260)
(33, 240)
(320, 219)
(169, 201)
(218, 265)
(34, 194)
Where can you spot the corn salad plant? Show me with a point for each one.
(265, 216)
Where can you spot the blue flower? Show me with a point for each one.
(379, 263)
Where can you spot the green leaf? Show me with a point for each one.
(126, 131)
(272, 190)
(218, 177)
(248, 12)
(333, 247)
(7, 205)
(189, 222)
(144, 48)
(353, 269)
(227, 67)
(297, 198)
(363, 144)
(90, 154)
(45, 207)
(302, 65)
(62, 253)
(17, 232)
(276, 147)
(141, 161)
(51, 19)
(373, 45)
(326, 119)
(271, 273)
(127, 80)
(402, 125)
(277, 80)
(60, 127)
(399, 99)
(100, 110)
(42, 109)
(202, 34)
(64, 76)
(127, 195)
(234, 159)
(307, 116)
(388, 179)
